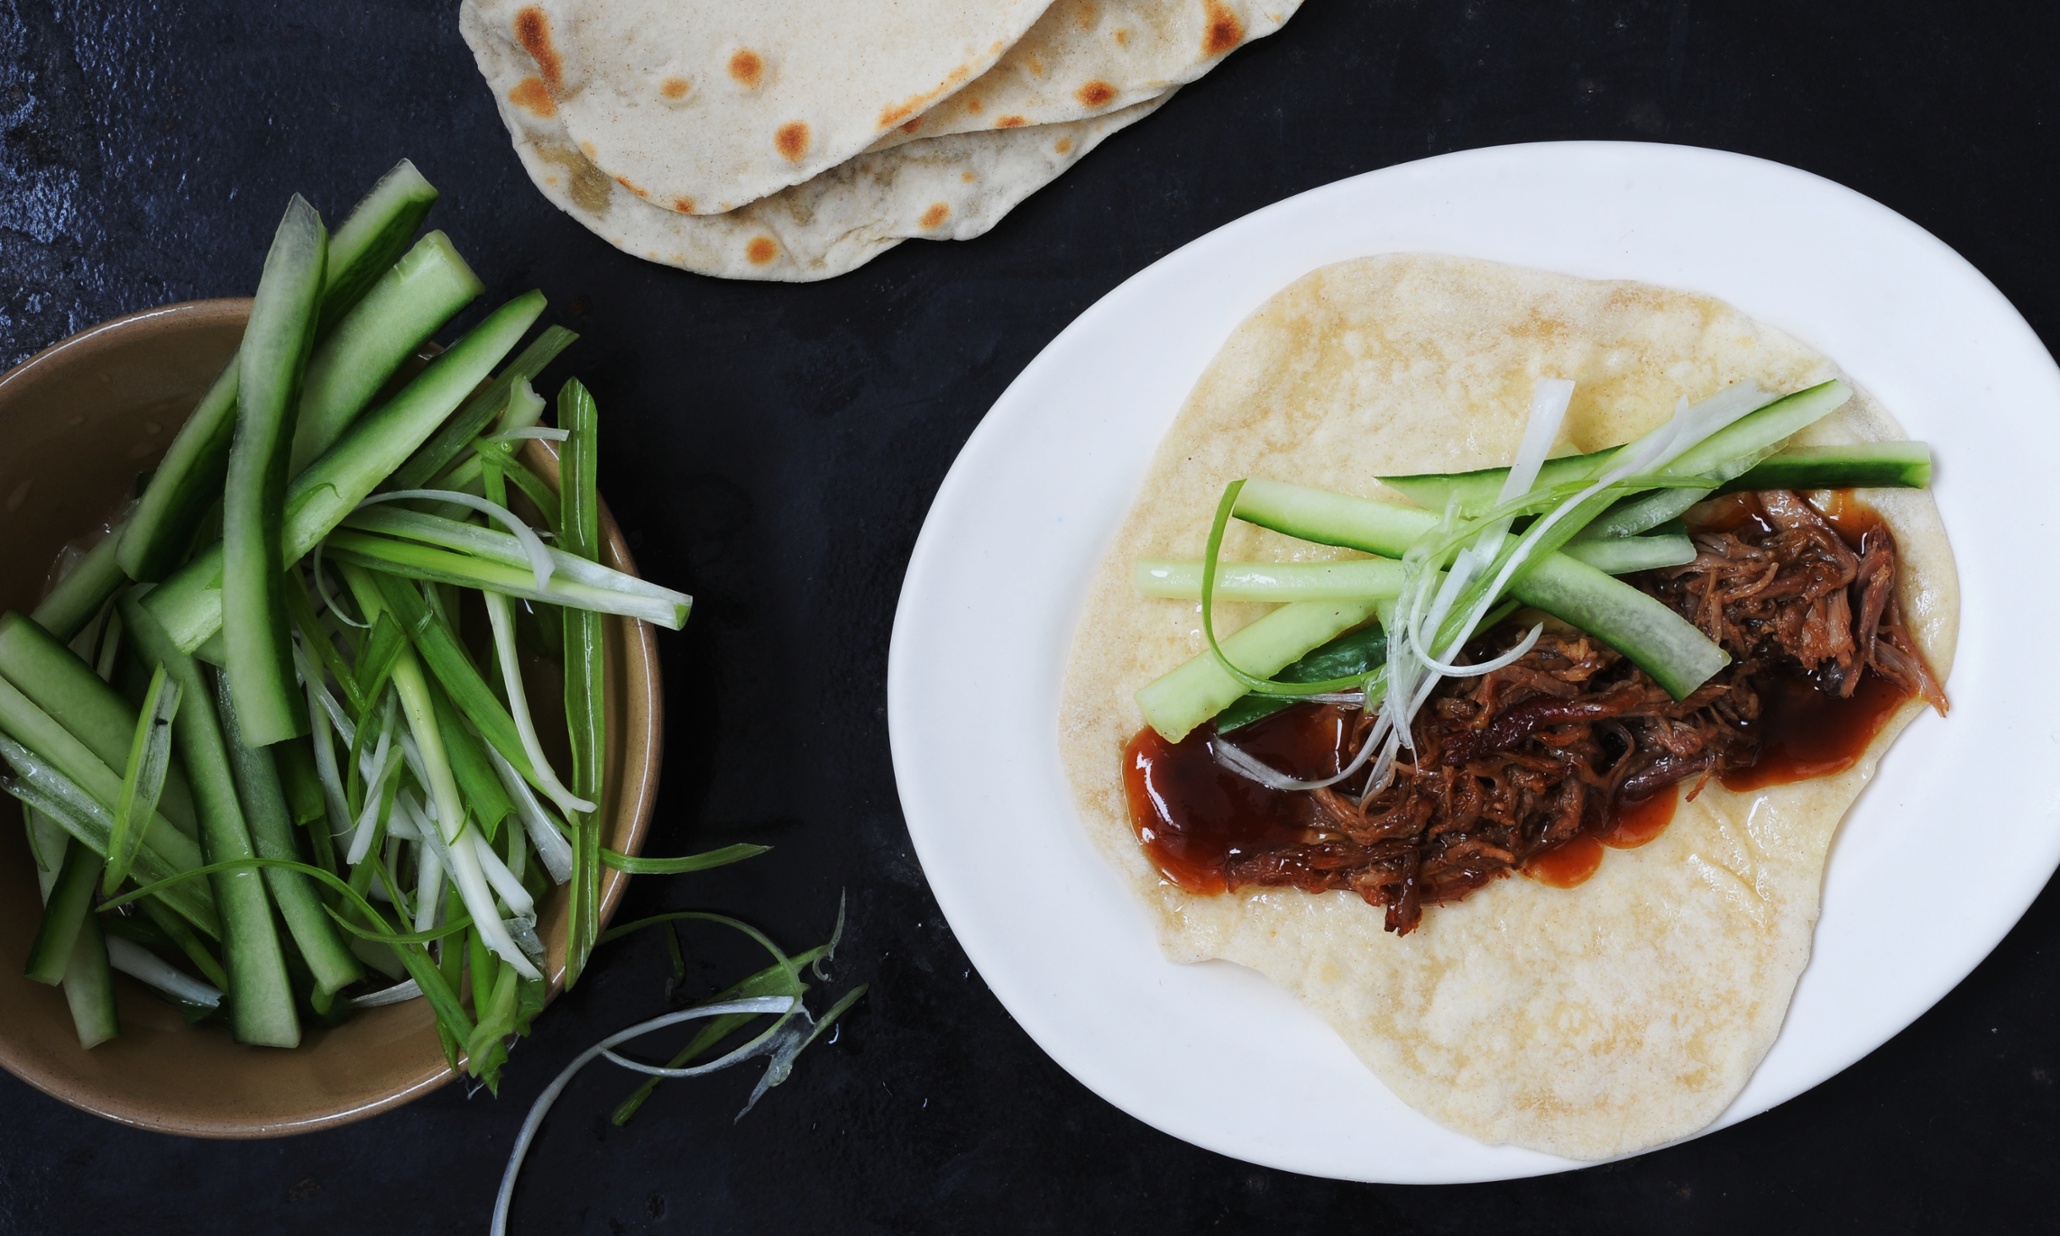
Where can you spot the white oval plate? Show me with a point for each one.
(1001, 569)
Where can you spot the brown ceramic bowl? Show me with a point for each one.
(80, 420)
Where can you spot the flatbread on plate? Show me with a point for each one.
(1589, 1022)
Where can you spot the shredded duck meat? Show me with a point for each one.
(1518, 762)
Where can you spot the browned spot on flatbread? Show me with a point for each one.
(1123, 37)
(685, 205)
(588, 148)
(747, 66)
(587, 185)
(1095, 93)
(1035, 66)
(912, 125)
(792, 139)
(625, 182)
(1010, 122)
(914, 103)
(1064, 145)
(968, 177)
(1086, 16)
(530, 95)
(761, 250)
(936, 214)
(674, 87)
(1224, 31)
(533, 31)
(973, 104)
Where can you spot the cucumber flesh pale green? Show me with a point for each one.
(271, 364)
(189, 604)
(188, 481)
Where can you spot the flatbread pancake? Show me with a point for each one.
(944, 188)
(1090, 57)
(1589, 1022)
(704, 105)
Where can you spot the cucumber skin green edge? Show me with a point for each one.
(260, 995)
(1670, 648)
(263, 798)
(1479, 489)
(57, 681)
(1199, 688)
(410, 303)
(166, 850)
(189, 604)
(79, 595)
(189, 479)
(68, 907)
(271, 364)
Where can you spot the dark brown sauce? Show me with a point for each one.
(1567, 865)
(1805, 732)
(1636, 821)
(1193, 815)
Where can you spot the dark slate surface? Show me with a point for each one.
(774, 449)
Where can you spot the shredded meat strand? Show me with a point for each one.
(1515, 763)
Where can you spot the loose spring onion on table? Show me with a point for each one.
(273, 738)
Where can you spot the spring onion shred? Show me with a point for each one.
(552, 848)
(830, 949)
(329, 598)
(762, 1005)
(501, 615)
(538, 433)
(141, 964)
(533, 546)
(512, 894)
(399, 993)
(1460, 572)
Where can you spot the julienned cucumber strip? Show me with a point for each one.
(263, 799)
(189, 479)
(471, 420)
(373, 236)
(189, 605)
(1369, 579)
(1363, 579)
(415, 297)
(1723, 454)
(166, 851)
(88, 984)
(80, 594)
(64, 686)
(69, 905)
(271, 364)
(1860, 465)
(1177, 702)
(1623, 555)
(260, 995)
(1655, 638)
(579, 534)
(1355, 652)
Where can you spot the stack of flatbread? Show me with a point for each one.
(797, 139)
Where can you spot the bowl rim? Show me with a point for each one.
(642, 708)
